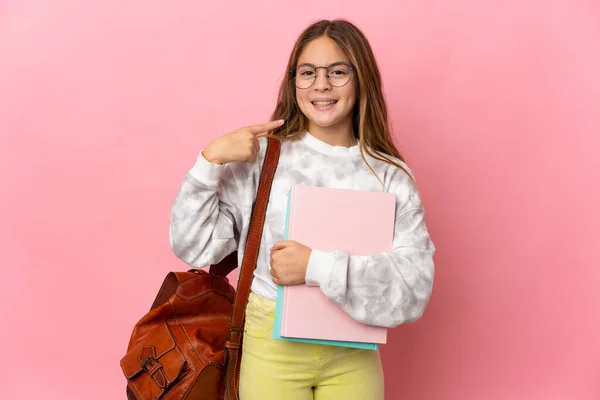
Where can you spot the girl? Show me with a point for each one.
(332, 120)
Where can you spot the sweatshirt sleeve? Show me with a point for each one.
(205, 222)
(386, 289)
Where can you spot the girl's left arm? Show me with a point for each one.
(386, 289)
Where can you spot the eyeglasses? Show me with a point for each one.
(338, 74)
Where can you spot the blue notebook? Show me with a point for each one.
(279, 307)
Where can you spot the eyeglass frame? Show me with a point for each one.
(294, 70)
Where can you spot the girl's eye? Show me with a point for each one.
(339, 71)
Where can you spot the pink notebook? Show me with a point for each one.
(358, 222)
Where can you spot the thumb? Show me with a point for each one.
(282, 244)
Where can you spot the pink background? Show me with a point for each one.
(105, 105)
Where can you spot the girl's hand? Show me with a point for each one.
(239, 145)
(289, 260)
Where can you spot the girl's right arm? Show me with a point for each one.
(204, 219)
(205, 222)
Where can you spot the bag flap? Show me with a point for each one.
(154, 352)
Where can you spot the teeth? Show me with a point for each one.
(324, 103)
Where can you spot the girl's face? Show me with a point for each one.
(326, 103)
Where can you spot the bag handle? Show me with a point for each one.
(234, 338)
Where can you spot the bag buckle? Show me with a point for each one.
(153, 367)
(149, 364)
(228, 343)
(233, 329)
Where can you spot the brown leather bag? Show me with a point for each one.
(188, 346)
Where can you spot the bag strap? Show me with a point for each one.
(234, 338)
(224, 267)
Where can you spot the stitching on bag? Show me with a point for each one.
(173, 312)
(183, 355)
(136, 389)
(197, 295)
(193, 346)
(169, 349)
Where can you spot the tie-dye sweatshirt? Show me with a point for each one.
(210, 218)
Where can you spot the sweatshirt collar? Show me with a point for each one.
(326, 148)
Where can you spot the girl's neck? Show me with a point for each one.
(335, 135)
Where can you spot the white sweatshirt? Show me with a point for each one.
(210, 219)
